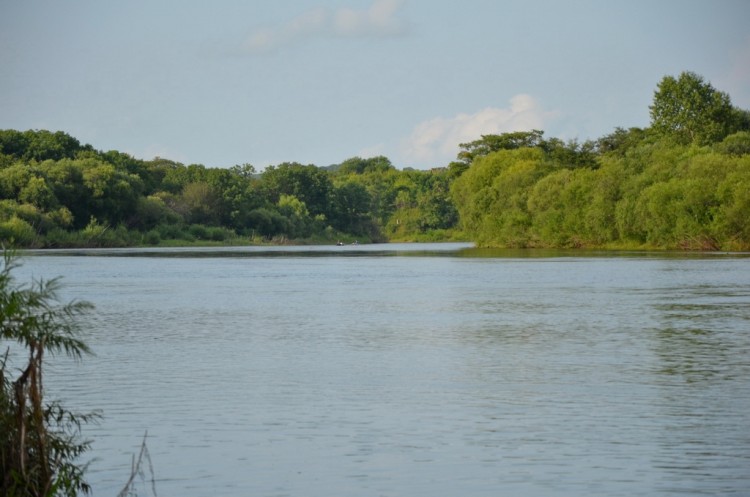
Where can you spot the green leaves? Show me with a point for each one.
(51, 186)
(31, 316)
(40, 441)
(656, 195)
(690, 110)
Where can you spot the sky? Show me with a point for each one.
(263, 82)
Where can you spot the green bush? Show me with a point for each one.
(219, 234)
(60, 238)
(17, 232)
(199, 232)
(152, 238)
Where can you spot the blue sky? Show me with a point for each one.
(319, 81)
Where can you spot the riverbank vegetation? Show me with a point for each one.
(40, 440)
(681, 183)
(55, 192)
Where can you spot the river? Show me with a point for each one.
(410, 370)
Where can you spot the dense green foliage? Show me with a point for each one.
(55, 192)
(39, 440)
(692, 111)
(682, 183)
(655, 194)
(679, 183)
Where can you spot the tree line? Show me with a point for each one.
(682, 182)
(56, 192)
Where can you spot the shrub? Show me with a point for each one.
(17, 232)
(152, 238)
(199, 231)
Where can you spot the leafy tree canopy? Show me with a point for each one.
(689, 109)
(357, 165)
(517, 187)
(506, 141)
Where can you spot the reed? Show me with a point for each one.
(138, 472)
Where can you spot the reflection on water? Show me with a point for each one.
(701, 344)
(693, 354)
(436, 373)
(697, 334)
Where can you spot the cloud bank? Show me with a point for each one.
(436, 141)
(379, 20)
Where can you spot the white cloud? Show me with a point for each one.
(379, 20)
(436, 141)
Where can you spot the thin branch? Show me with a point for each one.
(137, 469)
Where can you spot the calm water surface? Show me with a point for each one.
(412, 370)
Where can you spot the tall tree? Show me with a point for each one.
(358, 165)
(690, 110)
(351, 205)
(505, 141)
(310, 184)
